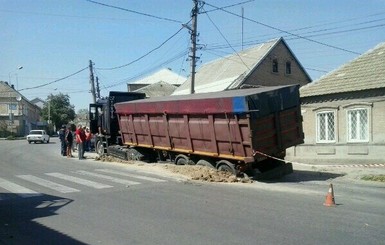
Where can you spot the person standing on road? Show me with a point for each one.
(88, 140)
(80, 139)
(63, 147)
(69, 140)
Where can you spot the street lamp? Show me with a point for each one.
(11, 105)
(17, 80)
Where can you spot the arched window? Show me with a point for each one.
(358, 121)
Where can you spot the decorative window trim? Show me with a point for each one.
(326, 108)
(356, 107)
(319, 111)
(358, 104)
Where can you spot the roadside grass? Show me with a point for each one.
(378, 178)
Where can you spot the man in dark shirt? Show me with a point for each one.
(63, 145)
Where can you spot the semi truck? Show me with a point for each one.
(244, 131)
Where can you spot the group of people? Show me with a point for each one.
(82, 138)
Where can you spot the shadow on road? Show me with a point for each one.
(17, 220)
(303, 175)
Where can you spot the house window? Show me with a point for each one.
(326, 132)
(288, 67)
(275, 65)
(358, 125)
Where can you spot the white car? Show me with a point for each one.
(38, 136)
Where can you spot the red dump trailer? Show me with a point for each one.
(227, 130)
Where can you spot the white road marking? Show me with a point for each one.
(48, 184)
(102, 176)
(18, 189)
(77, 180)
(131, 175)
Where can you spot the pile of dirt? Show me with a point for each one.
(207, 174)
(105, 158)
(193, 172)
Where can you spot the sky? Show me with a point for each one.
(54, 40)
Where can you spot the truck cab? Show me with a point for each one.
(104, 120)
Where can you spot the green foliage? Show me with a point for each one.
(10, 137)
(58, 109)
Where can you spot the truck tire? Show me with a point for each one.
(99, 148)
(181, 160)
(205, 163)
(224, 165)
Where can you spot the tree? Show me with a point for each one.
(58, 109)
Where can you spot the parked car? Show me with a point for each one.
(38, 136)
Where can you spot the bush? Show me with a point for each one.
(11, 137)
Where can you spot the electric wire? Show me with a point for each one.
(127, 80)
(133, 11)
(223, 36)
(146, 54)
(287, 32)
(55, 81)
(228, 6)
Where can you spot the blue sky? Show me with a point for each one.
(52, 39)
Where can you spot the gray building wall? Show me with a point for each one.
(342, 151)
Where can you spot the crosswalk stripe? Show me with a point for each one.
(131, 175)
(77, 180)
(18, 189)
(48, 184)
(102, 176)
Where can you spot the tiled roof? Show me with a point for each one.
(221, 73)
(363, 73)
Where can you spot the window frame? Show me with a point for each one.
(349, 139)
(327, 141)
(274, 66)
(288, 68)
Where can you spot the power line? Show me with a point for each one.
(228, 6)
(287, 32)
(45, 84)
(184, 53)
(135, 12)
(227, 41)
(141, 57)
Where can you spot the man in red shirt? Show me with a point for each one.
(80, 139)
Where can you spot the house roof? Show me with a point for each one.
(363, 73)
(37, 100)
(229, 72)
(157, 89)
(164, 75)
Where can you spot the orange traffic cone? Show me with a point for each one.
(329, 201)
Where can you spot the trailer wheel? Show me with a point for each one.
(181, 160)
(226, 166)
(99, 148)
(205, 163)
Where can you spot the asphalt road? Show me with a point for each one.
(48, 199)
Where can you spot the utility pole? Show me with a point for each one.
(97, 87)
(92, 82)
(193, 32)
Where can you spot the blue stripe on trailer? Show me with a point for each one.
(239, 105)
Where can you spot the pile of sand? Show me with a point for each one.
(193, 172)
